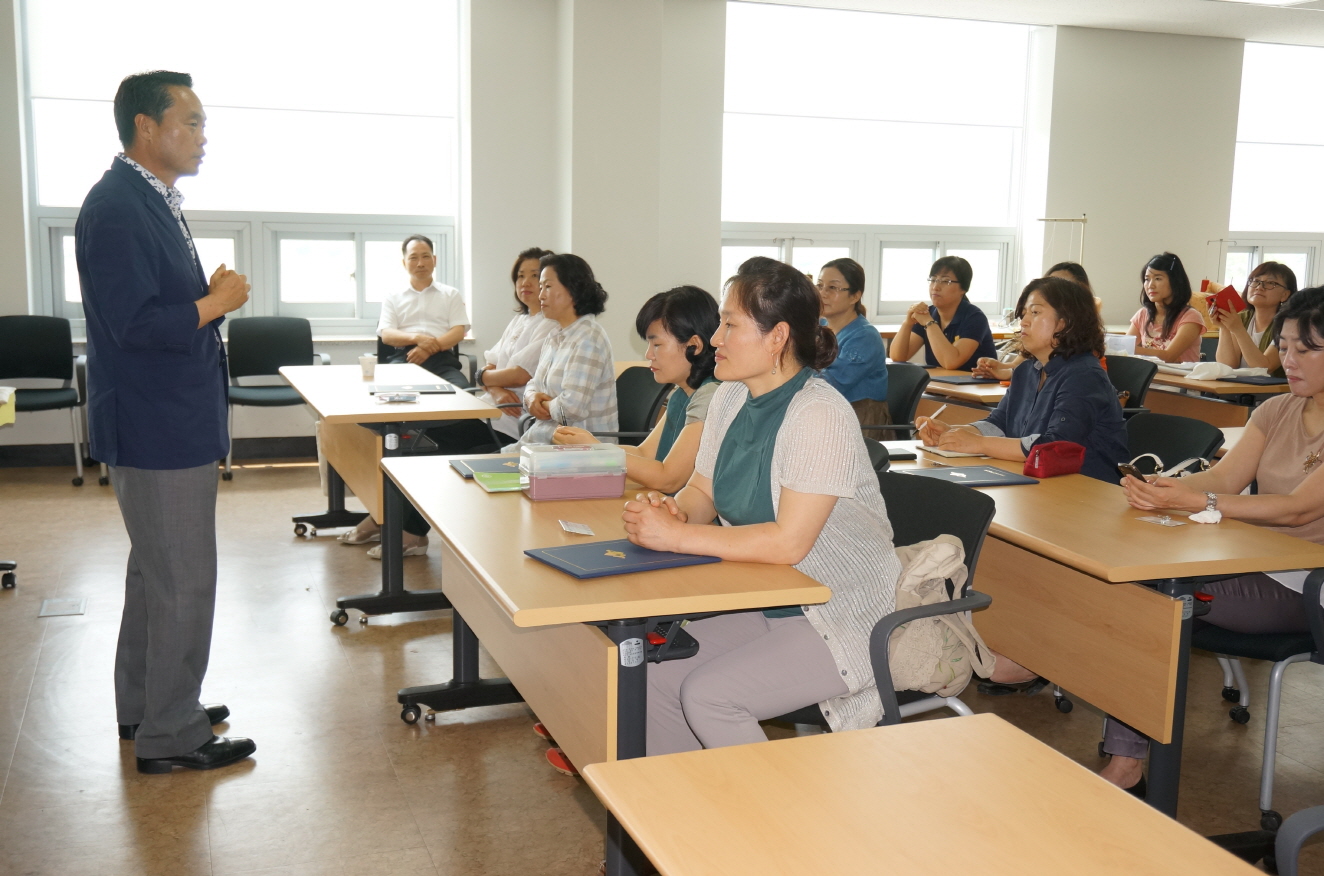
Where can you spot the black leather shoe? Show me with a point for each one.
(220, 751)
(1139, 789)
(216, 713)
(999, 689)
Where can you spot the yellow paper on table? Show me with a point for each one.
(8, 403)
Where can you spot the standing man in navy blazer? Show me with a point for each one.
(156, 411)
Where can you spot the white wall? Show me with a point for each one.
(1142, 139)
(14, 282)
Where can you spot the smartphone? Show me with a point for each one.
(1127, 468)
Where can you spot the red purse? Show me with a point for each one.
(1053, 459)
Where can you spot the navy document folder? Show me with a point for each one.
(496, 464)
(971, 475)
(596, 559)
(423, 388)
(965, 379)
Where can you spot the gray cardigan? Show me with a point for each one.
(820, 450)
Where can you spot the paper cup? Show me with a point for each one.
(368, 363)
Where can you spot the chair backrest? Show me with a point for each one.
(1208, 349)
(36, 346)
(1171, 438)
(260, 345)
(1131, 375)
(905, 384)
(878, 456)
(924, 508)
(638, 399)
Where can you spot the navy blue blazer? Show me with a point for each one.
(156, 382)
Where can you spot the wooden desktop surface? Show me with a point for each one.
(491, 531)
(339, 394)
(960, 795)
(1217, 387)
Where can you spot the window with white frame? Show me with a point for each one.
(1243, 255)
(1278, 174)
(854, 152)
(315, 167)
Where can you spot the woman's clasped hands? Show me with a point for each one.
(654, 520)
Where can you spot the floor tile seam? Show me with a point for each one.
(32, 680)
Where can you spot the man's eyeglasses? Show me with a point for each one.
(1266, 285)
(943, 282)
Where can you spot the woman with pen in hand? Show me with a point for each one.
(783, 467)
(575, 382)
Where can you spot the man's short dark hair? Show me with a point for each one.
(145, 94)
(404, 247)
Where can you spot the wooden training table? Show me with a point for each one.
(574, 650)
(933, 798)
(1217, 402)
(1088, 595)
(356, 433)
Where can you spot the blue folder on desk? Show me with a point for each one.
(1257, 380)
(971, 475)
(965, 379)
(494, 464)
(596, 559)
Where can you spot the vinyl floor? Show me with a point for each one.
(340, 786)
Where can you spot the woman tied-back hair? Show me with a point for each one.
(774, 292)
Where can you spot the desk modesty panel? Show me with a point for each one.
(339, 394)
(489, 533)
(929, 798)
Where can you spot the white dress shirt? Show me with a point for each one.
(434, 311)
(520, 346)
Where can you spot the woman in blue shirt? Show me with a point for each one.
(860, 370)
(953, 332)
(1059, 393)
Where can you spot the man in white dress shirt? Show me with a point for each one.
(426, 321)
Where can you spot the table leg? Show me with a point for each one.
(393, 596)
(335, 515)
(1165, 759)
(623, 856)
(466, 689)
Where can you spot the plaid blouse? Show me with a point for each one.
(577, 369)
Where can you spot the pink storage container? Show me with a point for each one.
(592, 486)
(577, 471)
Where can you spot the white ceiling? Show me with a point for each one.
(1302, 24)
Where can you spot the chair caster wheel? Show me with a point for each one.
(1240, 714)
(410, 714)
(103, 482)
(1063, 704)
(9, 580)
(1231, 694)
(339, 617)
(300, 529)
(430, 717)
(1270, 820)
(363, 619)
(227, 475)
(77, 482)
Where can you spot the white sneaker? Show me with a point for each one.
(416, 550)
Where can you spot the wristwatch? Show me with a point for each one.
(1210, 502)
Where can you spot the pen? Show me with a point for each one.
(934, 415)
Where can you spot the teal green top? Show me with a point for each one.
(742, 475)
(674, 421)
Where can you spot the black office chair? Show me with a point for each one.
(9, 578)
(1171, 438)
(42, 347)
(1208, 349)
(921, 509)
(469, 363)
(259, 346)
(905, 386)
(639, 401)
(1131, 376)
(1282, 649)
(879, 458)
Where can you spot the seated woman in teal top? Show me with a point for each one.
(676, 324)
(782, 465)
(860, 370)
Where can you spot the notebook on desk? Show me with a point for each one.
(597, 559)
(467, 467)
(423, 388)
(1257, 380)
(971, 475)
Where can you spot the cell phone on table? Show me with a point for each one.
(1127, 468)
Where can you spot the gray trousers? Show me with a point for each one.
(749, 668)
(1249, 604)
(169, 601)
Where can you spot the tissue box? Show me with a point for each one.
(1119, 345)
(574, 471)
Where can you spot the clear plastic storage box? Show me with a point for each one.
(573, 471)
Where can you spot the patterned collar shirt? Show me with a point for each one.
(577, 370)
(174, 199)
